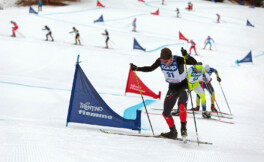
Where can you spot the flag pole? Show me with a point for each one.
(73, 88)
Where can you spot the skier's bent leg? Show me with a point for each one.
(198, 90)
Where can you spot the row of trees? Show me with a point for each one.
(50, 2)
(257, 3)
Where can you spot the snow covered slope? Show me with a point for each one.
(36, 78)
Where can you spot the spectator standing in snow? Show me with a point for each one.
(49, 33)
(172, 67)
(40, 5)
(14, 28)
(190, 6)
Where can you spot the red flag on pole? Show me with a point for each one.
(141, 1)
(181, 37)
(99, 4)
(155, 13)
(132, 86)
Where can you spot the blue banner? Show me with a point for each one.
(248, 58)
(137, 46)
(100, 19)
(249, 24)
(86, 106)
(31, 10)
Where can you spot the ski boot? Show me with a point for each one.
(183, 129)
(213, 109)
(196, 109)
(173, 134)
(175, 113)
(206, 114)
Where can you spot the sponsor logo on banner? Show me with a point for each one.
(247, 59)
(93, 111)
(135, 88)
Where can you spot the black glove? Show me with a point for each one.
(218, 79)
(133, 67)
(184, 52)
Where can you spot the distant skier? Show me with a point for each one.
(77, 35)
(193, 44)
(196, 74)
(134, 25)
(172, 66)
(162, 2)
(190, 6)
(49, 33)
(14, 28)
(178, 12)
(107, 38)
(208, 41)
(218, 18)
(40, 5)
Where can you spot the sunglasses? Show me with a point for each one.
(198, 67)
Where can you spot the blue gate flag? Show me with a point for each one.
(100, 19)
(87, 106)
(137, 46)
(253, 6)
(240, 2)
(31, 10)
(249, 24)
(248, 58)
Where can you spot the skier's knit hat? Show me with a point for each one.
(207, 68)
(165, 54)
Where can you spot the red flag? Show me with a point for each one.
(141, 1)
(132, 86)
(99, 4)
(155, 13)
(181, 37)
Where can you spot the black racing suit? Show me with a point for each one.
(176, 91)
(107, 38)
